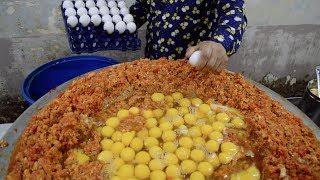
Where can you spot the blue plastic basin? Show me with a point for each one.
(54, 73)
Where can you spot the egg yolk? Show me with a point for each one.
(181, 138)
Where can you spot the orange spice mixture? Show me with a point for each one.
(279, 140)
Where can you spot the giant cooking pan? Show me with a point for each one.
(18, 126)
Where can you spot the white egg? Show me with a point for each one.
(81, 11)
(70, 12)
(109, 27)
(195, 58)
(96, 20)
(79, 4)
(104, 10)
(121, 27)
(128, 18)
(116, 18)
(84, 20)
(90, 4)
(93, 11)
(106, 18)
(132, 27)
(72, 21)
(121, 4)
(114, 10)
(67, 4)
(124, 11)
(101, 3)
(112, 4)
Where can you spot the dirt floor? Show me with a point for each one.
(11, 108)
(285, 89)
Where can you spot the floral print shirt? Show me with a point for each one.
(174, 25)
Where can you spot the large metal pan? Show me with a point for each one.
(18, 126)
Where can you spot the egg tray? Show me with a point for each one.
(92, 38)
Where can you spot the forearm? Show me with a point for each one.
(139, 11)
(231, 24)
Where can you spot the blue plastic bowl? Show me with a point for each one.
(54, 73)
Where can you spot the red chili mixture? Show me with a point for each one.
(68, 139)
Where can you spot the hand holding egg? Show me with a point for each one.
(194, 59)
(213, 55)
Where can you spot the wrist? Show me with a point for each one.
(223, 45)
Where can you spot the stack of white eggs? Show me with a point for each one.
(113, 14)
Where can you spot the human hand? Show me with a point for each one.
(212, 55)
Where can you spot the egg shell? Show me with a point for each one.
(72, 21)
(106, 18)
(124, 11)
(132, 27)
(128, 18)
(67, 4)
(79, 4)
(116, 18)
(101, 3)
(114, 10)
(90, 4)
(81, 11)
(93, 11)
(109, 27)
(104, 10)
(195, 58)
(121, 27)
(96, 20)
(112, 4)
(70, 12)
(121, 4)
(84, 20)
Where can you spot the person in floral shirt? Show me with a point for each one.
(177, 28)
